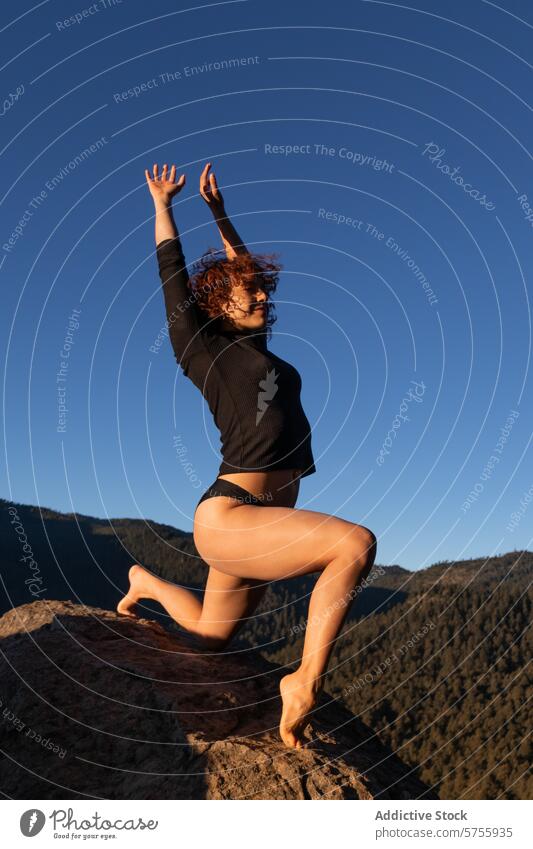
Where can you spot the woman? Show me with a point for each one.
(219, 321)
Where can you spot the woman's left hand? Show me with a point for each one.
(210, 191)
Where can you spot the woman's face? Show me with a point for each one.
(247, 307)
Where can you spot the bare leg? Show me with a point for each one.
(330, 602)
(227, 602)
(280, 543)
(182, 605)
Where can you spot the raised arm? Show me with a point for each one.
(182, 313)
(213, 197)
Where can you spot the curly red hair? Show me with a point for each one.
(214, 276)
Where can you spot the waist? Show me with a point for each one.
(278, 487)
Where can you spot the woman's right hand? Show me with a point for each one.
(163, 187)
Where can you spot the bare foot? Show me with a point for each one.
(299, 698)
(138, 589)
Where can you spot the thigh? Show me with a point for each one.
(269, 543)
(228, 602)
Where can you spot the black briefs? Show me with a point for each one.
(224, 487)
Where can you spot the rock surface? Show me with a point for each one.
(95, 705)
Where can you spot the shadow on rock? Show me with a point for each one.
(96, 705)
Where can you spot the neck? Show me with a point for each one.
(256, 338)
(227, 327)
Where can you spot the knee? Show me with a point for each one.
(371, 540)
(360, 545)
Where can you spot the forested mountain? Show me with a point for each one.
(437, 661)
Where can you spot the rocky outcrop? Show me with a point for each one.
(95, 705)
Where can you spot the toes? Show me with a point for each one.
(289, 739)
(292, 734)
(289, 735)
(128, 613)
(124, 607)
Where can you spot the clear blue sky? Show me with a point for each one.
(339, 133)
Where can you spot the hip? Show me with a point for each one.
(277, 488)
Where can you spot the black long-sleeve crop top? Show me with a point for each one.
(254, 395)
